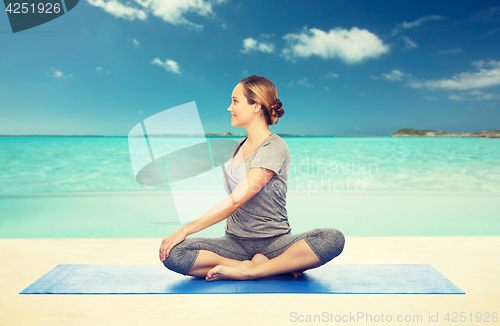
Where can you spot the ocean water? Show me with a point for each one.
(318, 164)
(81, 187)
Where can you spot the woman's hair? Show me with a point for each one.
(261, 90)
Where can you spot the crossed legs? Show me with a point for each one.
(251, 258)
(298, 257)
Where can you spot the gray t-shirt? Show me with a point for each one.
(264, 215)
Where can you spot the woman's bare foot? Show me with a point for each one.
(239, 272)
(221, 272)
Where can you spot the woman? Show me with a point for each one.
(257, 240)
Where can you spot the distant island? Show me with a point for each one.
(494, 133)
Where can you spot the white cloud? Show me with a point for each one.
(59, 74)
(396, 75)
(475, 95)
(301, 82)
(409, 43)
(479, 63)
(430, 98)
(171, 11)
(450, 51)
(117, 9)
(485, 77)
(169, 65)
(489, 15)
(456, 98)
(99, 69)
(488, 75)
(136, 43)
(415, 23)
(249, 44)
(304, 82)
(332, 75)
(352, 46)
(419, 21)
(480, 96)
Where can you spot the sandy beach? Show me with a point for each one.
(470, 262)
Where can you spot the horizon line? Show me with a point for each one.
(207, 135)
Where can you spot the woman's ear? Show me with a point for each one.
(258, 106)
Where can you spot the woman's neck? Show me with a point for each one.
(257, 136)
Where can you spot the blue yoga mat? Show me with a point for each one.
(330, 278)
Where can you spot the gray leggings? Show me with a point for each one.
(327, 243)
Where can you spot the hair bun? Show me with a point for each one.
(276, 109)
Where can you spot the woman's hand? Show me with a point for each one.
(169, 242)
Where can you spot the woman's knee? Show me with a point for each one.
(180, 259)
(339, 240)
(329, 243)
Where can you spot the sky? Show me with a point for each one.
(341, 67)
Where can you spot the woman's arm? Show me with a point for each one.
(255, 180)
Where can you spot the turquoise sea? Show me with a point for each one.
(83, 164)
(44, 179)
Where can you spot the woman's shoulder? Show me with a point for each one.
(277, 141)
(277, 146)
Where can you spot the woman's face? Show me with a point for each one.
(241, 111)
